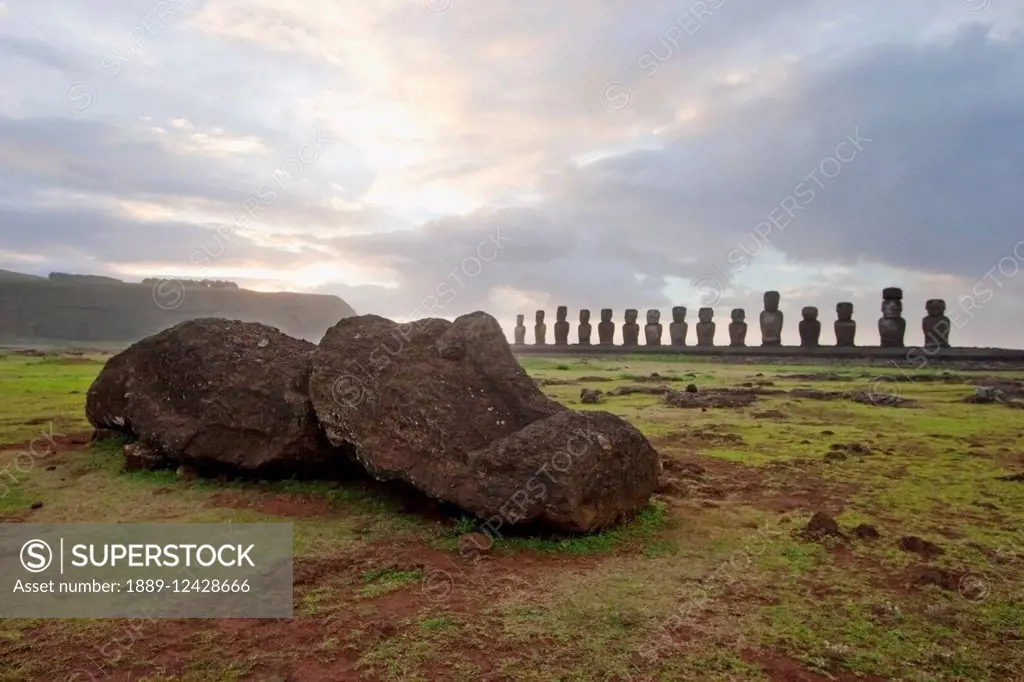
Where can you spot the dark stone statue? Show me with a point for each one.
(653, 328)
(845, 327)
(606, 328)
(678, 327)
(540, 330)
(631, 330)
(771, 320)
(520, 330)
(936, 324)
(584, 332)
(561, 326)
(738, 328)
(809, 328)
(705, 327)
(891, 326)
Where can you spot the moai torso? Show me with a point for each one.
(771, 320)
(606, 328)
(705, 327)
(562, 326)
(584, 333)
(809, 328)
(936, 324)
(678, 328)
(738, 328)
(653, 328)
(540, 330)
(845, 327)
(631, 330)
(520, 330)
(891, 326)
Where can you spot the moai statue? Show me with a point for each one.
(936, 324)
(809, 327)
(653, 328)
(520, 330)
(561, 326)
(738, 328)
(771, 320)
(584, 327)
(846, 328)
(678, 328)
(705, 327)
(606, 328)
(540, 330)
(631, 330)
(892, 326)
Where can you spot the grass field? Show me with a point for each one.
(715, 580)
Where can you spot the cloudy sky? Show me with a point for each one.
(435, 157)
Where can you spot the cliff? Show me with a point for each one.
(86, 309)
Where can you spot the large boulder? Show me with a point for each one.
(217, 395)
(446, 407)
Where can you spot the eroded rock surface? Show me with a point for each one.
(446, 407)
(213, 394)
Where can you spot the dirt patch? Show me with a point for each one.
(933, 575)
(780, 668)
(272, 504)
(54, 444)
(455, 585)
(775, 415)
(916, 545)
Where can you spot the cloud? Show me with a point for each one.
(817, 148)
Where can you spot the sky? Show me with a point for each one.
(430, 158)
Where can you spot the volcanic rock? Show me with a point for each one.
(215, 395)
(446, 407)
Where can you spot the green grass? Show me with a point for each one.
(720, 565)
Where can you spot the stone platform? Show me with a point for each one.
(916, 356)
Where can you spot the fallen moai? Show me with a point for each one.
(443, 406)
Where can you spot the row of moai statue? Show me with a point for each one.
(891, 327)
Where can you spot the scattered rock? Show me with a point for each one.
(590, 396)
(916, 545)
(472, 544)
(139, 456)
(716, 398)
(805, 442)
(933, 575)
(1013, 477)
(835, 457)
(186, 473)
(826, 432)
(36, 505)
(821, 525)
(866, 531)
(644, 390)
(691, 388)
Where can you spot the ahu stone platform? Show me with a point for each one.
(890, 341)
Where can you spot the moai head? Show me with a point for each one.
(653, 316)
(519, 320)
(584, 316)
(936, 307)
(844, 311)
(561, 313)
(705, 314)
(606, 314)
(539, 317)
(738, 315)
(810, 313)
(679, 314)
(631, 314)
(892, 302)
(771, 301)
